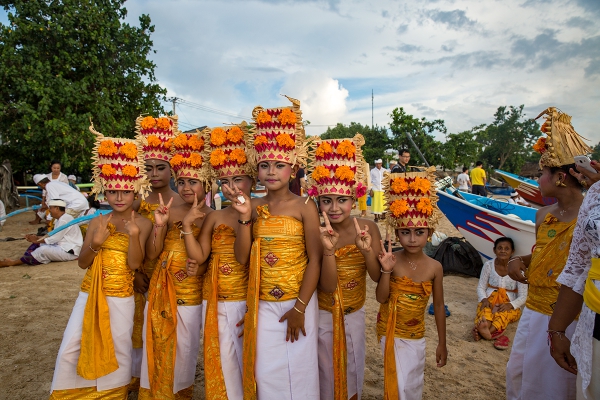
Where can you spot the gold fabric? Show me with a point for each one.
(500, 319)
(170, 286)
(277, 263)
(591, 294)
(402, 316)
(183, 394)
(90, 393)
(225, 280)
(547, 262)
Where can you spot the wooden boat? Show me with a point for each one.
(527, 188)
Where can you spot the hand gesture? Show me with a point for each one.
(387, 259)
(329, 237)
(101, 233)
(131, 226)
(31, 238)
(295, 324)
(140, 282)
(441, 355)
(585, 177)
(560, 350)
(363, 238)
(239, 201)
(191, 267)
(505, 307)
(516, 270)
(161, 214)
(193, 214)
(485, 303)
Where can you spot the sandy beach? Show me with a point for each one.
(37, 301)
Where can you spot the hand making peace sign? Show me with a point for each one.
(194, 213)
(239, 201)
(161, 214)
(363, 237)
(131, 226)
(387, 259)
(329, 237)
(101, 233)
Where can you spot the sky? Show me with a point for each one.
(454, 60)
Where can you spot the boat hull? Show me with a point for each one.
(527, 188)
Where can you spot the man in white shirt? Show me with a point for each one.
(464, 183)
(376, 190)
(77, 204)
(63, 246)
(515, 198)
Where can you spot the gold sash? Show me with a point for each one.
(277, 263)
(547, 262)
(591, 295)
(402, 316)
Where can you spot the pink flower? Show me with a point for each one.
(361, 190)
(312, 192)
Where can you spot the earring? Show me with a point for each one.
(293, 176)
(560, 183)
(354, 206)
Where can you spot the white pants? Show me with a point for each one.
(355, 348)
(230, 344)
(121, 326)
(531, 372)
(189, 325)
(286, 370)
(593, 390)
(136, 362)
(410, 366)
(51, 252)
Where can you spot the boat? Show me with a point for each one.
(527, 188)
(482, 220)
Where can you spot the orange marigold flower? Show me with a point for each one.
(324, 148)
(399, 185)
(129, 170)
(129, 150)
(235, 134)
(148, 122)
(176, 160)
(424, 206)
(195, 142)
(344, 173)
(319, 173)
(217, 158)
(167, 145)
(263, 117)
(540, 145)
(195, 160)
(420, 185)
(108, 170)
(238, 155)
(107, 148)
(261, 139)
(163, 123)
(218, 137)
(287, 117)
(346, 149)
(153, 141)
(181, 141)
(399, 208)
(285, 140)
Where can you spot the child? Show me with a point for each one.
(351, 247)
(174, 309)
(280, 329)
(500, 297)
(408, 277)
(94, 359)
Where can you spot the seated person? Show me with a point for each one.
(73, 181)
(63, 246)
(515, 198)
(500, 297)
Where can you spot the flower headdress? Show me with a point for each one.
(157, 136)
(118, 165)
(279, 134)
(337, 167)
(411, 200)
(189, 156)
(230, 151)
(562, 142)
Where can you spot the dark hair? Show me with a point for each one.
(504, 239)
(54, 162)
(402, 151)
(45, 180)
(63, 209)
(93, 202)
(465, 169)
(478, 163)
(569, 177)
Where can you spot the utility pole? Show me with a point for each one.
(174, 101)
(372, 128)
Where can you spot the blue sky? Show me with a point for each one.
(451, 59)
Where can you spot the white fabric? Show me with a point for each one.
(518, 200)
(593, 390)
(136, 362)
(531, 372)
(584, 246)
(56, 202)
(463, 181)
(69, 238)
(52, 252)
(355, 347)
(61, 178)
(189, 325)
(38, 177)
(286, 370)
(2, 213)
(410, 366)
(377, 178)
(230, 344)
(490, 276)
(74, 199)
(121, 311)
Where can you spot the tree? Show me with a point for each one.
(63, 62)
(596, 152)
(376, 140)
(461, 149)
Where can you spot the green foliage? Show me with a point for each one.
(461, 149)
(596, 152)
(376, 140)
(62, 63)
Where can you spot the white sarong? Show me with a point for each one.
(592, 392)
(286, 370)
(355, 348)
(410, 366)
(136, 362)
(121, 311)
(51, 252)
(531, 372)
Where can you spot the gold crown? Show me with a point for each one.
(157, 136)
(411, 200)
(562, 142)
(188, 156)
(230, 151)
(337, 167)
(118, 164)
(279, 134)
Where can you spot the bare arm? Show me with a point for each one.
(199, 249)
(161, 221)
(243, 239)
(373, 266)
(138, 235)
(329, 238)
(387, 260)
(97, 233)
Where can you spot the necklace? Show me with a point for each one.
(412, 265)
(562, 212)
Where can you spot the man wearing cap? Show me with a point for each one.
(73, 181)
(63, 246)
(515, 198)
(77, 204)
(376, 190)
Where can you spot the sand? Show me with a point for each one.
(36, 303)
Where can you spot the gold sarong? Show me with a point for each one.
(225, 280)
(591, 294)
(547, 262)
(170, 286)
(277, 263)
(352, 285)
(500, 320)
(402, 316)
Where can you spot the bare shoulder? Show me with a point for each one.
(435, 266)
(143, 222)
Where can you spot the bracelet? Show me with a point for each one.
(516, 258)
(296, 308)
(385, 272)
(92, 249)
(561, 335)
(160, 226)
(186, 233)
(300, 300)
(329, 255)
(245, 222)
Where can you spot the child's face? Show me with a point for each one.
(413, 240)
(158, 173)
(274, 174)
(120, 200)
(242, 182)
(503, 250)
(189, 188)
(336, 207)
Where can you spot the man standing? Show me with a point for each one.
(377, 189)
(464, 183)
(76, 202)
(478, 179)
(404, 158)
